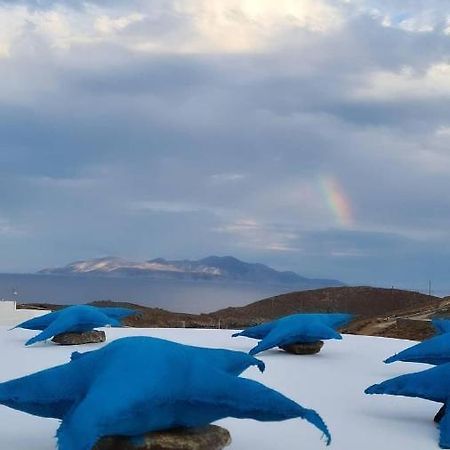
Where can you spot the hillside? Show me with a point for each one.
(362, 301)
(378, 312)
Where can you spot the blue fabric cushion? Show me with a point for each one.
(76, 319)
(431, 384)
(297, 328)
(441, 325)
(42, 322)
(435, 350)
(136, 385)
(230, 361)
(118, 313)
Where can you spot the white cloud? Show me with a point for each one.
(9, 229)
(177, 207)
(226, 177)
(443, 131)
(164, 206)
(414, 16)
(421, 23)
(11, 23)
(352, 253)
(63, 183)
(253, 234)
(251, 25)
(196, 26)
(4, 50)
(107, 25)
(407, 83)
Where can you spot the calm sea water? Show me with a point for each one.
(180, 296)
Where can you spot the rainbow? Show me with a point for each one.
(337, 200)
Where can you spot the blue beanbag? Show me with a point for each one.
(42, 322)
(435, 350)
(431, 384)
(76, 319)
(441, 325)
(137, 385)
(297, 328)
(230, 361)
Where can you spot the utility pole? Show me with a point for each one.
(429, 288)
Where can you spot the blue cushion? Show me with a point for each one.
(42, 322)
(76, 319)
(136, 385)
(297, 328)
(435, 350)
(441, 325)
(230, 361)
(116, 312)
(431, 384)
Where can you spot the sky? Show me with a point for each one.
(310, 135)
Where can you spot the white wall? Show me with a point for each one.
(7, 308)
(10, 316)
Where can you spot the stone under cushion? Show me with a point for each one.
(211, 437)
(305, 348)
(89, 337)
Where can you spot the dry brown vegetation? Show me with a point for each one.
(378, 312)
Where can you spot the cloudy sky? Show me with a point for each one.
(310, 135)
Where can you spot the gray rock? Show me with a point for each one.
(89, 337)
(211, 437)
(303, 348)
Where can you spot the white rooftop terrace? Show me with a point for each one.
(331, 382)
(10, 315)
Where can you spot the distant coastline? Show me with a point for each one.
(174, 295)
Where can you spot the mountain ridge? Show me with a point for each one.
(211, 268)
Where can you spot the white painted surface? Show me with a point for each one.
(10, 316)
(7, 307)
(331, 382)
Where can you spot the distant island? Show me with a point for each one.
(212, 268)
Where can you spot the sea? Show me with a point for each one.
(172, 295)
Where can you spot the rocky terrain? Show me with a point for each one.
(378, 312)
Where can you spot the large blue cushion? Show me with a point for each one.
(435, 350)
(432, 384)
(76, 319)
(441, 325)
(297, 328)
(137, 385)
(42, 322)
